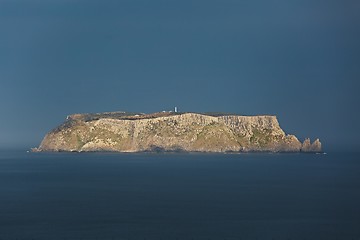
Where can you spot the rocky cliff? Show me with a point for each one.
(166, 131)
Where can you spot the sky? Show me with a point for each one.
(298, 60)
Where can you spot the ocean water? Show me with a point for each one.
(179, 196)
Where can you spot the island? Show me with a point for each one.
(172, 131)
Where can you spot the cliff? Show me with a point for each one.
(168, 131)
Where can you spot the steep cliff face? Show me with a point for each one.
(170, 132)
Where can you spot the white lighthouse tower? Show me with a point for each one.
(175, 110)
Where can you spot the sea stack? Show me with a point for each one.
(307, 146)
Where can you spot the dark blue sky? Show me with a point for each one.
(299, 60)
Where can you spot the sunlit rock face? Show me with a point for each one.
(307, 146)
(168, 131)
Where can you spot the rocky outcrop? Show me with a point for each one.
(191, 132)
(307, 146)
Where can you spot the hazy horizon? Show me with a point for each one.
(296, 60)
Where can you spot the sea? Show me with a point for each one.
(179, 196)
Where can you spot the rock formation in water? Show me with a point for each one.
(307, 146)
(170, 131)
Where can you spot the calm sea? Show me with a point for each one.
(179, 196)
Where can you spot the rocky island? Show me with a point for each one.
(172, 131)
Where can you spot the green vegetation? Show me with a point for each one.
(80, 143)
(261, 137)
(216, 136)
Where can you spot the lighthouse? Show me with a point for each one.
(175, 110)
